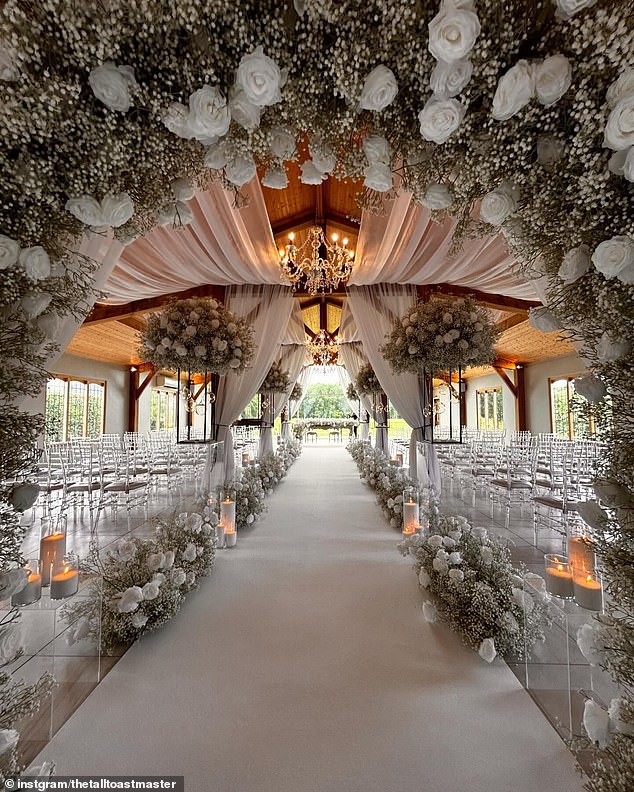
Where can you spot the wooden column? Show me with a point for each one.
(136, 388)
(520, 399)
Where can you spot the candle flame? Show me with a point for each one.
(588, 578)
(560, 568)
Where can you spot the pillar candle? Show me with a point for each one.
(245, 459)
(399, 459)
(410, 517)
(228, 514)
(580, 554)
(231, 538)
(64, 582)
(52, 551)
(588, 592)
(32, 591)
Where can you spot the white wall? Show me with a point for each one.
(537, 391)
(508, 400)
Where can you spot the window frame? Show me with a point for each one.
(87, 382)
(495, 389)
(569, 393)
(169, 393)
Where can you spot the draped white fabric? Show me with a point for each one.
(223, 245)
(302, 380)
(406, 246)
(374, 308)
(267, 309)
(351, 356)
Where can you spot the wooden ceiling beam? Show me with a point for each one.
(106, 313)
(306, 219)
(499, 302)
(135, 322)
(504, 363)
(512, 321)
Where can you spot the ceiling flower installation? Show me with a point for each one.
(506, 115)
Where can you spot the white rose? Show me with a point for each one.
(200, 351)
(457, 575)
(35, 263)
(139, 620)
(486, 554)
(176, 119)
(449, 79)
(35, 303)
(424, 579)
(430, 614)
(455, 558)
(575, 264)
(592, 514)
(437, 196)
(87, 210)
(151, 590)
(596, 722)
(155, 560)
(240, 170)
(452, 33)
(586, 641)
(487, 650)
(623, 86)
(440, 118)
(567, 8)
(10, 642)
(614, 258)
(129, 600)
(189, 553)
(499, 204)
(378, 177)
(282, 143)
(111, 85)
(553, 77)
(178, 577)
(376, 149)
(275, 179)
(610, 349)
(591, 388)
(8, 740)
(260, 78)
(323, 157)
(242, 110)
(549, 150)
(208, 113)
(379, 89)
(440, 565)
(216, 156)
(515, 89)
(9, 252)
(619, 129)
(544, 320)
(310, 174)
(182, 190)
(9, 72)
(117, 209)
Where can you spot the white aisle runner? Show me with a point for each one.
(304, 665)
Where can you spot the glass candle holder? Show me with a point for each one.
(558, 576)
(52, 549)
(32, 592)
(588, 590)
(65, 577)
(231, 538)
(245, 459)
(228, 510)
(581, 550)
(220, 536)
(410, 511)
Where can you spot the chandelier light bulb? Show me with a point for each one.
(291, 236)
(335, 237)
(344, 241)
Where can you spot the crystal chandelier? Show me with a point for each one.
(318, 264)
(323, 349)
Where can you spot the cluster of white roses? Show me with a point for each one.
(366, 381)
(496, 608)
(198, 334)
(276, 381)
(297, 392)
(452, 35)
(441, 335)
(164, 569)
(619, 129)
(388, 481)
(546, 80)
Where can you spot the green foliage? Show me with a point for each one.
(324, 401)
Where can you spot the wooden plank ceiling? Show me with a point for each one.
(110, 333)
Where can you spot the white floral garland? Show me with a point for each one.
(276, 381)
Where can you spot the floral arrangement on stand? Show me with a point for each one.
(441, 335)
(17, 699)
(351, 392)
(525, 129)
(142, 583)
(366, 381)
(276, 381)
(475, 588)
(388, 481)
(297, 392)
(197, 335)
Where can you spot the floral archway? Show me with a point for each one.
(506, 115)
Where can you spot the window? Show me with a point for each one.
(74, 408)
(490, 408)
(163, 409)
(573, 416)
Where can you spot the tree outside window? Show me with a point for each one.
(490, 408)
(571, 415)
(74, 408)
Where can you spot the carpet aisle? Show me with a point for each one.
(303, 664)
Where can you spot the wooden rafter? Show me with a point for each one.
(506, 379)
(498, 302)
(512, 321)
(105, 313)
(306, 219)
